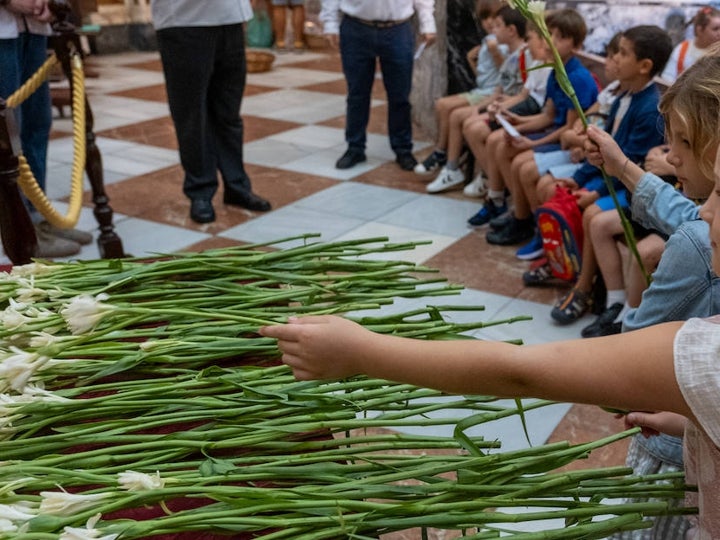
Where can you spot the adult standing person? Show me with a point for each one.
(367, 31)
(24, 32)
(202, 48)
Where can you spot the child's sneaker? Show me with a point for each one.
(477, 187)
(445, 180)
(433, 162)
(532, 250)
(486, 213)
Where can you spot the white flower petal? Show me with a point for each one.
(136, 481)
(61, 503)
(84, 312)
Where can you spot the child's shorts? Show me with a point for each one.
(526, 107)
(547, 147)
(547, 160)
(565, 170)
(288, 2)
(476, 95)
(606, 203)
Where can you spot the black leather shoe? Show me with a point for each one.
(604, 325)
(517, 231)
(350, 158)
(406, 161)
(201, 211)
(246, 199)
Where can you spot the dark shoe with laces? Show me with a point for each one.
(246, 199)
(517, 231)
(350, 158)
(501, 221)
(432, 163)
(406, 161)
(605, 324)
(489, 211)
(202, 211)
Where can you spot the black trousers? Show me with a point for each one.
(205, 71)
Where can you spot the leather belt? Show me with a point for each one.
(377, 24)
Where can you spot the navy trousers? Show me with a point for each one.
(361, 45)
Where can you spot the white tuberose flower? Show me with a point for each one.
(537, 9)
(16, 369)
(32, 269)
(7, 526)
(136, 481)
(87, 533)
(61, 503)
(84, 312)
(17, 512)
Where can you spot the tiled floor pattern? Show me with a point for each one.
(294, 119)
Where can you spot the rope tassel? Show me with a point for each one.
(27, 181)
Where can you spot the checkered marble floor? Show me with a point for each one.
(294, 118)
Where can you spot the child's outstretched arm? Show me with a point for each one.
(632, 371)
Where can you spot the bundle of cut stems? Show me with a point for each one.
(143, 383)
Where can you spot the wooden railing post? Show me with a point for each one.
(67, 42)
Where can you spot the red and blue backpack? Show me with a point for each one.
(559, 221)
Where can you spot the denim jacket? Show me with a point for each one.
(684, 284)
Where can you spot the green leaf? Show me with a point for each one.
(216, 467)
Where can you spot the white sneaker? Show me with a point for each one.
(445, 180)
(477, 187)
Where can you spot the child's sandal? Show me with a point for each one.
(571, 307)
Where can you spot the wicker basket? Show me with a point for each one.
(315, 41)
(259, 61)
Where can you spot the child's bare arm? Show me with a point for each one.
(631, 371)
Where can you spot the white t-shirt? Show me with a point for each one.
(385, 10)
(536, 82)
(697, 368)
(692, 53)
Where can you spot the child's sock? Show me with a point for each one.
(452, 165)
(616, 297)
(497, 197)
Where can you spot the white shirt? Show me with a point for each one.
(174, 13)
(536, 82)
(378, 10)
(11, 25)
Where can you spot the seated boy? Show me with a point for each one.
(541, 132)
(510, 29)
(636, 126)
(485, 60)
(528, 101)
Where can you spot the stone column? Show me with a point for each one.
(442, 69)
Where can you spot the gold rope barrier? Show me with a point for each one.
(27, 180)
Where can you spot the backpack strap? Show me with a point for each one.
(684, 46)
(522, 60)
